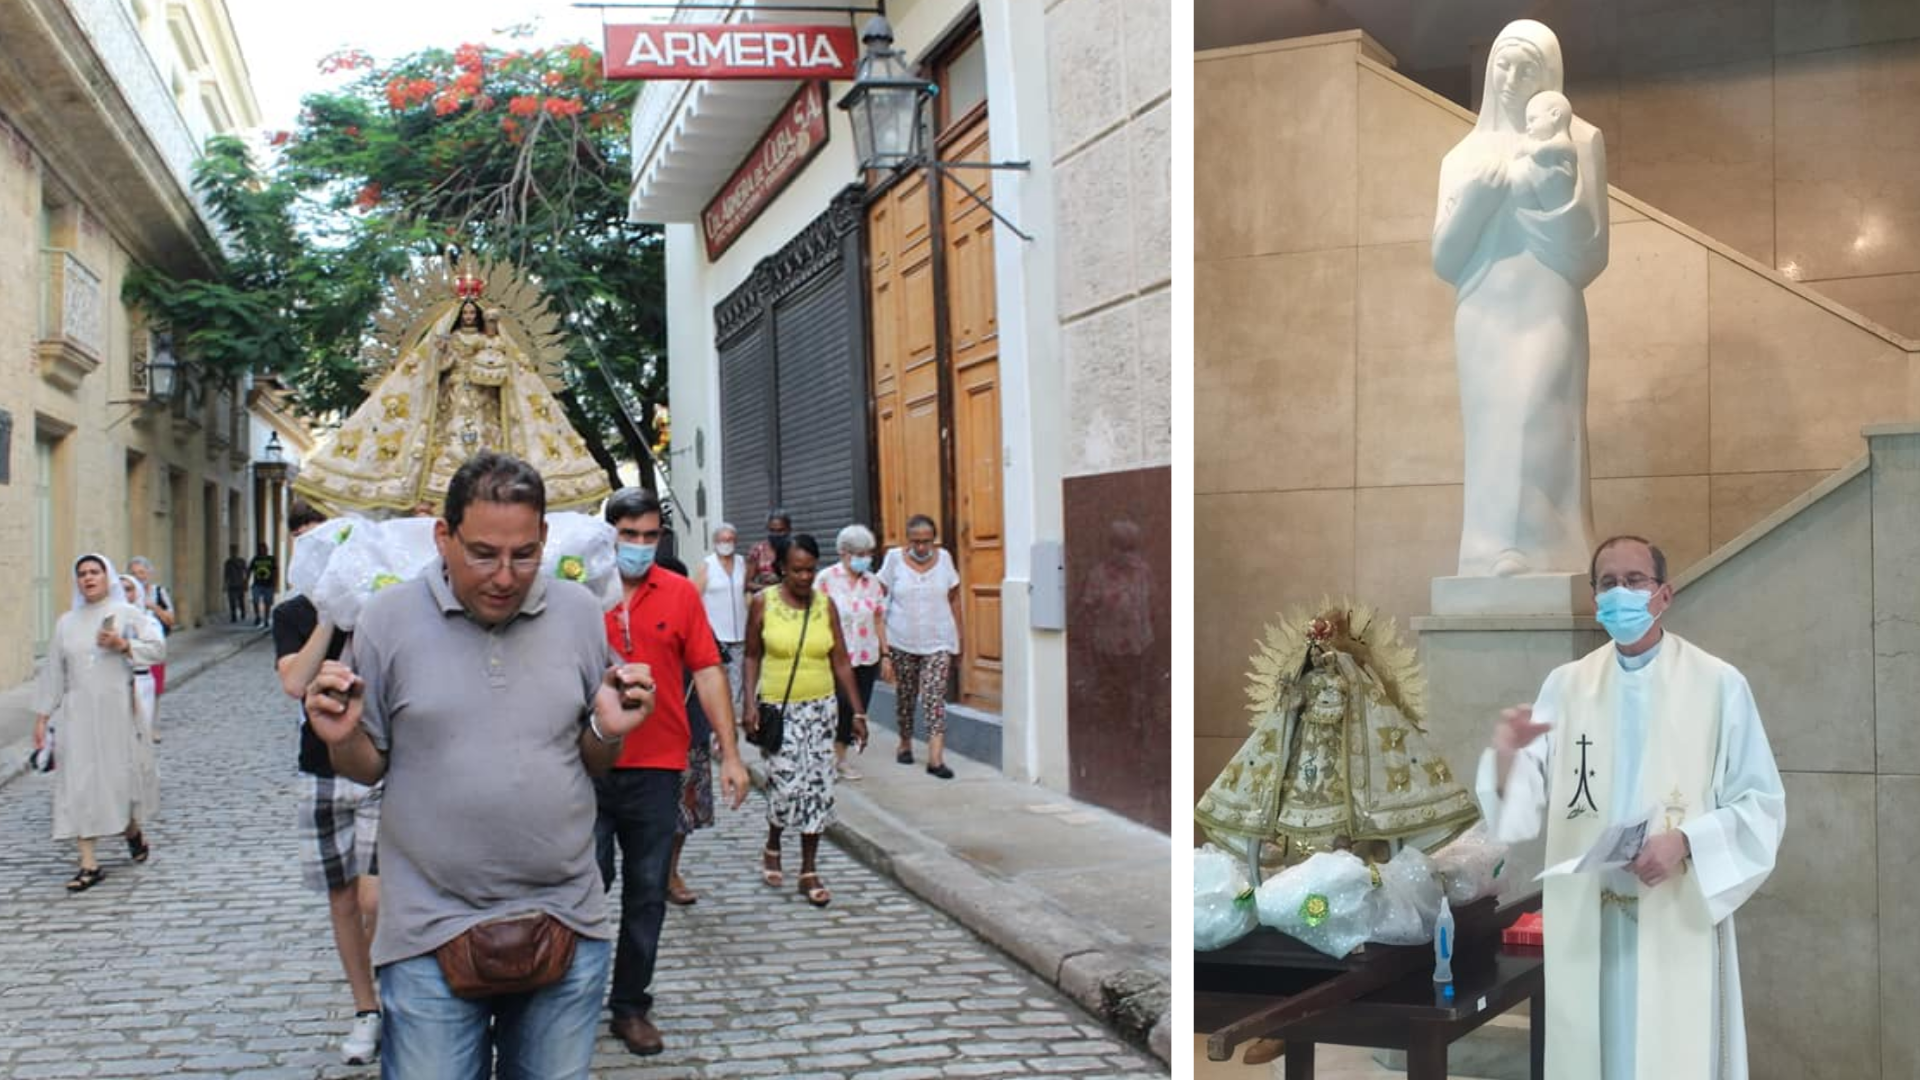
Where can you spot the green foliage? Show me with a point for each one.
(505, 154)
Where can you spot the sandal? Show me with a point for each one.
(137, 848)
(87, 878)
(818, 896)
(679, 894)
(770, 869)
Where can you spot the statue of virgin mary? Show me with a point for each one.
(1519, 268)
(463, 378)
(1339, 755)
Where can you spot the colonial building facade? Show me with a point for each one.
(104, 105)
(864, 346)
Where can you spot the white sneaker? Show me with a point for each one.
(363, 1042)
(848, 772)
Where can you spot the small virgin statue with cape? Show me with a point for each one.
(460, 377)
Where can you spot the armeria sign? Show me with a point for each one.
(796, 135)
(744, 51)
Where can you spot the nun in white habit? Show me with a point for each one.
(104, 783)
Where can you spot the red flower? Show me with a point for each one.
(553, 78)
(280, 137)
(369, 196)
(353, 131)
(483, 103)
(510, 125)
(581, 52)
(563, 107)
(345, 59)
(445, 104)
(471, 57)
(468, 83)
(524, 105)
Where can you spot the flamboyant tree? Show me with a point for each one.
(501, 153)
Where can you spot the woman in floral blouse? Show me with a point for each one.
(862, 604)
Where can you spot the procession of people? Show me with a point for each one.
(501, 767)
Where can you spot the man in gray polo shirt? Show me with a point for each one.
(486, 696)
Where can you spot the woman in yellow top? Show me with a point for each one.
(795, 657)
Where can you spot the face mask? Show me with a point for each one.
(723, 550)
(634, 559)
(1623, 612)
(917, 557)
(860, 564)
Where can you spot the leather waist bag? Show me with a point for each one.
(507, 956)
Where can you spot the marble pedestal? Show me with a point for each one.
(1521, 594)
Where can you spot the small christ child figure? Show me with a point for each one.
(1546, 167)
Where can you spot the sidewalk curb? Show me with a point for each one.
(1093, 970)
(13, 759)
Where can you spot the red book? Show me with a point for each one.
(1524, 931)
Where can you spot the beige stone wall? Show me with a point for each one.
(1327, 432)
(94, 507)
(1110, 95)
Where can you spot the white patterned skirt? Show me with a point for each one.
(800, 787)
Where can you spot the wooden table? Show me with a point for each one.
(1270, 986)
(1412, 1015)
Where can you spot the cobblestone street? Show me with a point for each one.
(213, 961)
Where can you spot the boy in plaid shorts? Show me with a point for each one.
(339, 819)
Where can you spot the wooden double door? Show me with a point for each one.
(936, 385)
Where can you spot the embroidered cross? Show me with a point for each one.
(1574, 810)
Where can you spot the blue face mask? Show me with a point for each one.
(860, 564)
(634, 559)
(1623, 612)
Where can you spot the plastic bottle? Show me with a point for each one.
(1443, 944)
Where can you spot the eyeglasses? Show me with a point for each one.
(1636, 581)
(490, 564)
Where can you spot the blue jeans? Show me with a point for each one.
(428, 1034)
(640, 809)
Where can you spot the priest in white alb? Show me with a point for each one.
(1643, 976)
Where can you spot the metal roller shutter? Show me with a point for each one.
(822, 416)
(746, 429)
(793, 397)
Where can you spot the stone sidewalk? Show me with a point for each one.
(1079, 895)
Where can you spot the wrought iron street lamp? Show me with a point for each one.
(163, 371)
(273, 453)
(888, 103)
(888, 109)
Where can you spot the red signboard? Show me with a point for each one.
(730, 51)
(796, 136)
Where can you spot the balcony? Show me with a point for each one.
(72, 337)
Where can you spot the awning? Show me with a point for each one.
(688, 137)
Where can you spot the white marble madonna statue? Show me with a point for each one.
(1521, 230)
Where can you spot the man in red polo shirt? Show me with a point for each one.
(660, 622)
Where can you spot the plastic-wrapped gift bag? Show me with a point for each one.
(313, 548)
(1223, 911)
(580, 549)
(1322, 902)
(1403, 909)
(1470, 866)
(361, 566)
(409, 544)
